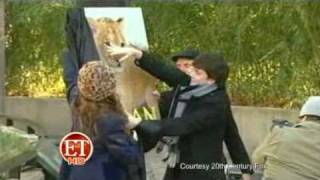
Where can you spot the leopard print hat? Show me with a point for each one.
(96, 81)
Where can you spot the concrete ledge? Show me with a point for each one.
(53, 115)
(254, 122)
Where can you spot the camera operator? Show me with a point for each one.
(293, 152)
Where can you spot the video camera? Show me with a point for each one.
(281, 123)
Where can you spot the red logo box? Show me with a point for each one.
(76, 148)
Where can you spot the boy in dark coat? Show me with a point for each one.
(199, 120)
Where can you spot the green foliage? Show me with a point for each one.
(35, 41)
(273, 48)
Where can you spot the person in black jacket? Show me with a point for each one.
(80, 50)
(198, 125)
(173, 75)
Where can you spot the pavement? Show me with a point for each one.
(154, 166)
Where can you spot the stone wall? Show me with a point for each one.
(53, 116)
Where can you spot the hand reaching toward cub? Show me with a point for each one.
(132, 121)
(124, 52)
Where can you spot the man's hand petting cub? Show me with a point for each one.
(124, 52)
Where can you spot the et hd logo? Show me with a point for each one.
(76, 148)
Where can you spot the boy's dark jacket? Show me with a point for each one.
(206, 123)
